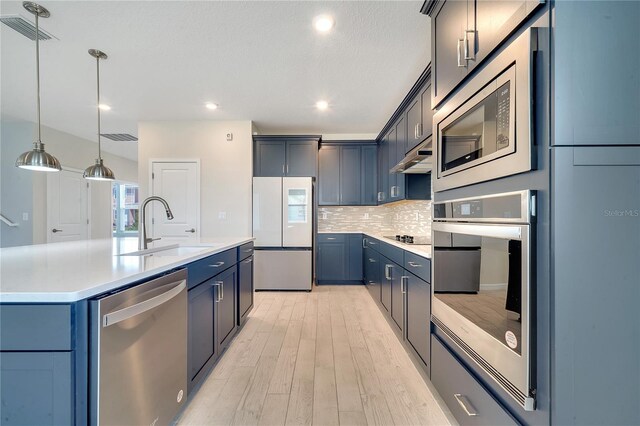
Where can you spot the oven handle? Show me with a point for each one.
(513, 232)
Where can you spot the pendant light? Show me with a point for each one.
(98, 171)
(38, 159)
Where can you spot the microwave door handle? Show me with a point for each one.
(504, 232)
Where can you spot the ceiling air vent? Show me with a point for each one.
(24, 27)
(119, 136)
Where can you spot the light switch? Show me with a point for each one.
(222, 215)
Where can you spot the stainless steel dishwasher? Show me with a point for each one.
(139, 353)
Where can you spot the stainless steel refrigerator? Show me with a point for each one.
(283, 232)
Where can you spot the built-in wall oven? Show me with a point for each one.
(482, 284)
(485, 131)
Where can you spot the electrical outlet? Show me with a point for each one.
(324, 215)
(417, 216)
(222, 215)
(366, 215)
(25, 216)
(229, 136)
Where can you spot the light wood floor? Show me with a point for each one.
(327, 357)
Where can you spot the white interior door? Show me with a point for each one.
(179, 184)
(297, 212)
(67, 206)
(267, 211)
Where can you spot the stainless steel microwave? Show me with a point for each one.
(484, 131)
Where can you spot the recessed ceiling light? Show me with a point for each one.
(323, 23)
(211, 105)
(322, 105)
(104, 107)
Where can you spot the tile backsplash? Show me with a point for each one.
(403, 217)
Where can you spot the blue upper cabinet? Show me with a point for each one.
(347, 174)
(596, 95)
(464, 33)
(279, 156)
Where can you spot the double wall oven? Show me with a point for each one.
(482, 284)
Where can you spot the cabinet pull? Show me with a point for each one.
(248, 260)
(466, 405)
(403, 284)
(371, 260)
(460, 64)
(217, 265)
(466, 45)
(287, 169)
(54, 230)
(364, 243)
(331, 238)
(192, 230)
(222, 290)
(387, 271)
(216, 284)
(415, 265)
(419, 129)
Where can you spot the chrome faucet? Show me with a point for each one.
(142, 239)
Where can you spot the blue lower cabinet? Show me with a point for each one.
(469, 401)
(397, 295)
(245, 289)
(339, 259)
(227, 283)
(371, 261)
(418, 326)
(202, 348)
(36, 388)
(385, 282)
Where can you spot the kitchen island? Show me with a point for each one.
(46, 349)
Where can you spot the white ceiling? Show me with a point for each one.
(259, 61)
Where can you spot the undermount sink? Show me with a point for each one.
(170, 250)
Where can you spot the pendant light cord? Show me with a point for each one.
(39, 141)
(98, 96)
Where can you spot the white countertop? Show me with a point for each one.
(72, 271)
(419, 249)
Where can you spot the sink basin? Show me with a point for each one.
(170, 250)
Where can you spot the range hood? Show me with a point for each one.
(418, 160)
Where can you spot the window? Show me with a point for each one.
(125, 208)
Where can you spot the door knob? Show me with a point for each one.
(192, 230)
(54, 230)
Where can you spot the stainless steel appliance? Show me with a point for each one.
(418, 160)
(139, 370)
(482, 284)
(283, 231)
(477, 138)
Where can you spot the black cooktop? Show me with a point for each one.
(421, 240)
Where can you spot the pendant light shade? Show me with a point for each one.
(38, 159)
(98, 171)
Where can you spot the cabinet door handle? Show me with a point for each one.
(467, 56)
(216, 265)
(387, 271)
(331, 238)
(248, 260)
(419, 129)
(216, 284)
(192, 230)
(460, 64)
(54, 230)
(371, 260)
(364, 243)
(466, 405)
(222, 290)
(403, 284)
(415, 265)
(287, 169)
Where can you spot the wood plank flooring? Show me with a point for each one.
(327, 357)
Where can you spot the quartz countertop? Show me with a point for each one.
(71, 271)
(423, 250)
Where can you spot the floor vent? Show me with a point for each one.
(119, 136)
(24, 27)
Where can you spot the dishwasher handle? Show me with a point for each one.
(139, 308)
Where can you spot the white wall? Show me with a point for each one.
(72, 152)
(226, 168)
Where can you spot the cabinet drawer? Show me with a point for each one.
(373, 243)
(35, 327)
(468, 400)
(418, 265)
(245, 251)
(393, 253)
(331, 238)
(202, 270)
